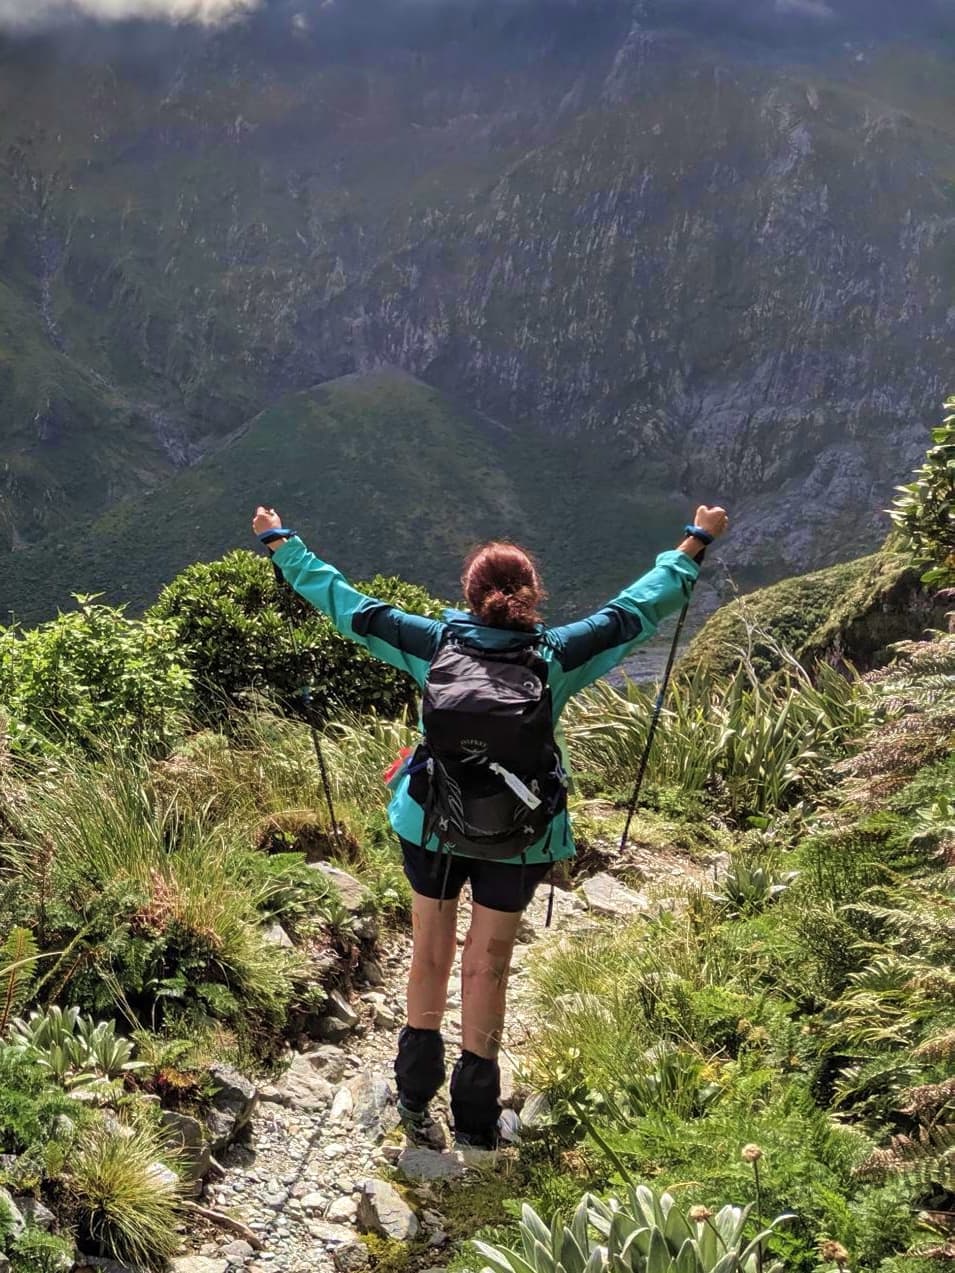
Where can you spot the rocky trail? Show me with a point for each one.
(321, 1151)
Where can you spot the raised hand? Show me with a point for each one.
(265, 519)
(714, 520)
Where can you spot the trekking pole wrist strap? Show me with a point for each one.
(270, 536)
(697, 532)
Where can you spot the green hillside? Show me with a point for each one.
(381, 474)
(849, 612)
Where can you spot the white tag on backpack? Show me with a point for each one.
(520, 790)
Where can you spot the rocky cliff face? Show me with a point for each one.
(725, 259)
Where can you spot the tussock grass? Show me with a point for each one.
(124, 1197)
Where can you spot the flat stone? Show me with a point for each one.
(342, 1211)
(607, 896)
(238, 1250)
(302, 1087)
(418, 1163)
(353, 894)
(198, 1264)
(382, 1210)
(331, 1062)
(333, 1234)
(351, 1257)
(314, 1203)
(276, 935)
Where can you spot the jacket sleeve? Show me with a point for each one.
(586, 650)
(406, 641)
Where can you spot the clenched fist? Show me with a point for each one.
(713, 520)
(265, 519)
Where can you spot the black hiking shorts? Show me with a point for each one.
(500, 886)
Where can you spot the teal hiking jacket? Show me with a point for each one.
(576, 654)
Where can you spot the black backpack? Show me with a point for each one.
(488, 773)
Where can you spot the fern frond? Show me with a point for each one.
(940, 1047)
(19, 953)
(925, 1163)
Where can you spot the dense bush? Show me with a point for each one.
(91, 676)
(239, 630)
(925, 508)
(154, 908)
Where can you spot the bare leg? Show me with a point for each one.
(484, 970)
(434, 926)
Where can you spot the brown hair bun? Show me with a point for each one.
(502, 586)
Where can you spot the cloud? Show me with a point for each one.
(26, 15)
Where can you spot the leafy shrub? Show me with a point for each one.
(158, 910)
(748, 888)
(754, 748)
(124, 1201)
(31, 1108)
(233, 625)
(38, 1252)
(75, 1050)
(648, 1233)
(924, 510)
(93, 673)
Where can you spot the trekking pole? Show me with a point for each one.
(657, 713)
(308, 714)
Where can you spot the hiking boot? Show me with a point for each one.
(420, 1128)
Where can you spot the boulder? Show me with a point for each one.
(301, 1087)
(353, 894)
(36, 1215)
(382, 1210)
(232, 1106)
(187, 1135)
(13, 1221)
(331, 1234)
(605, 895)
(417, 1163)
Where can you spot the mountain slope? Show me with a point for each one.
(720, 256)
(381, 474)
